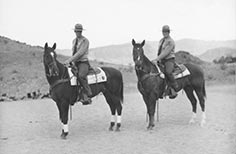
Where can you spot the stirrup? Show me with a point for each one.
(173, 94)
(86, 102)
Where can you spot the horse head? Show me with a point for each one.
(138, 53)
(49, 59)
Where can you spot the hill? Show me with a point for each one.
(198, 47)
(216, 53)
(122, 53)
(22, 71)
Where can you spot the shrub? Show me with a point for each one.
(231, 71)
(5, 41)
(223, 66)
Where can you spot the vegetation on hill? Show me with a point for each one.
(217, 53)
(223, 60)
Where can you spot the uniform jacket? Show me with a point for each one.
(168, 48)
(81, 50)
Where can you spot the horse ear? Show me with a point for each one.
(133, 42)
(46, 45)
(143, 43)
(54, 46)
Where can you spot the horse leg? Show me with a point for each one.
(64, 119)
(59, 109)
(112, 108)
(202, 104)
(119, 112)
(151, 106)
(189, 92)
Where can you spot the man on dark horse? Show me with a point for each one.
(80, 49)
(166, 57)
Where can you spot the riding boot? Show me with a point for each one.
(173, 93)
(87, 93)
(173, 87)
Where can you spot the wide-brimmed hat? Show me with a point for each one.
(165, 28)
(78, 28)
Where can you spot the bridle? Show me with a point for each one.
(62, 78)
(49, 66)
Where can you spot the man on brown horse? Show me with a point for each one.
(166, 56)
(79, 57)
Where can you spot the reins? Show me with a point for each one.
(59, 81)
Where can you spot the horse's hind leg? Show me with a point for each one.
(119, 112)
(189, 92)
(201, 98)
(112, 108)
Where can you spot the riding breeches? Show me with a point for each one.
(169, 68)
(83, 69)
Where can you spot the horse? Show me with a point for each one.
(152, 84)
(65, 95)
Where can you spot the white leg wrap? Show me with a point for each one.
(192, 120)
(204, 115)
(203, 122)
(113, 118)
(65, 128)
(118, 119)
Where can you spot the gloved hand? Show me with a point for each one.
(67, 63)
(155, 61)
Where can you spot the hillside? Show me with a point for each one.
(216, 53)
(122, 54)
(198, 47)
(22, 70)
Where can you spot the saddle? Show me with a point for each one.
(95, 75)
(180, 70)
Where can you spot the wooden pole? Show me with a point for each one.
(157, 104)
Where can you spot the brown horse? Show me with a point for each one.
(64, 94)
(152, 86)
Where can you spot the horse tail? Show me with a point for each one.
(122, 91)
(204, 90)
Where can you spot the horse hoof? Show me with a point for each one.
(110, 129)
(117, 129)
(64, 135)
(203, 122)
(112, 124)
(150, 127)
(192, 121)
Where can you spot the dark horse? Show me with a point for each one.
(151, 85)
(64, 94)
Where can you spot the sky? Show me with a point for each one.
(112, 22)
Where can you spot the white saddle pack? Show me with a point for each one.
(97, 77)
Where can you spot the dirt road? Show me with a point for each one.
(32, 127)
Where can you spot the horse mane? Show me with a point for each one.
(63, 74)
(149, 65)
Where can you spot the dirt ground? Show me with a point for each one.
(33, 127)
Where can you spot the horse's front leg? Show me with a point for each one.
(151, 105)
(64, 119)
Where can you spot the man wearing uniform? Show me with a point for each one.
(80, 48)
(166, 56)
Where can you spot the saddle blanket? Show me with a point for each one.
(97, 75)
(182, 74)
(179, 71)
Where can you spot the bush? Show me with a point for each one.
(223, 66)
(231, 71)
